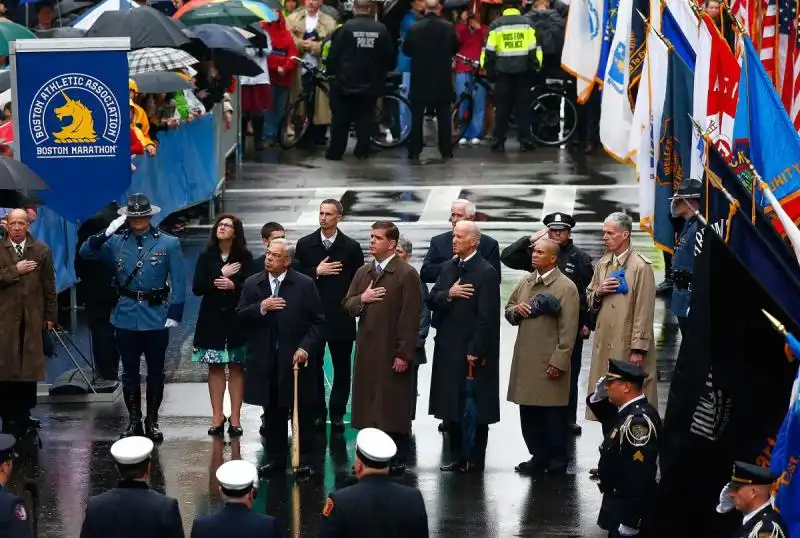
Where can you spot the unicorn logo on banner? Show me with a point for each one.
(82, 127)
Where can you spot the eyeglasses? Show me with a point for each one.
(224, 225)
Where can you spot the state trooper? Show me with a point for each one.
(151, 284)
(15, 521)
(577, 266)
(749, 492)
(238, 486)
(132, 509)
(376, 505)
(629, 453)
(513, 56)
(685, 203)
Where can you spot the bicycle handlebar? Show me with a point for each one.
(468, 61)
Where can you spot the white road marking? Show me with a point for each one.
(437, 207)
(394, 188)
(311, 217)
(559, 199)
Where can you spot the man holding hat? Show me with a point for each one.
(238, 483)
(749, 492)
(629, 453)
(576, 265)
(132, 509)
(15, 522)
(685, 204)
(375, 507)
(151, 284)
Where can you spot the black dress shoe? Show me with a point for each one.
(530, 467)
(527, 146)
(498, 147)
(442, 427)
(594, 474)
(235, 431)
(575, 429)
(217, 431)
(272, 467)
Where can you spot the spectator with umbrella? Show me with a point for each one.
(256, 97)
(282, 73)
(465, 372)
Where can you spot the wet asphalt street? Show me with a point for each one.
(512, 193)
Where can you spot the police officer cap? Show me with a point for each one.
(689, 188)
(625, 371)
(374, 447)
(751, 475)
(131, 450)
(7, 443)
(139, 206)
(237, 475)
(559, 221)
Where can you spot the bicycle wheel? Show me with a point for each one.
(294, 124)
(554, 118)
(460, 118)
(388, 129)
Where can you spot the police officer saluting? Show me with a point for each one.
(238, 483)
(144, 259)
(132, 509)
(376, 507)
(513, 56)
(361, 53)
(749, 492)
(629, 453)
(577, 266)
(15, 522)
(685, 204)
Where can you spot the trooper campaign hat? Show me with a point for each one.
(375, 448)
(625, 371)
(747, 474)
(139, 206)
(689, 188)
(559, 221)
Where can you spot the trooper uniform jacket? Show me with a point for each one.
(15, 520)
(682, 267)
(628, 462)
(766, 523)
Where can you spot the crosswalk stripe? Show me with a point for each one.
(437, 206)
(311, 217)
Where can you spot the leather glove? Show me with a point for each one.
(170, 323)
(115, 225)
(725, 503)
(624, 530)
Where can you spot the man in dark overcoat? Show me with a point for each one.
(28, 299)
(431, 44)
(282, 312)
(385, 296)
(466, 301)
(332, 258)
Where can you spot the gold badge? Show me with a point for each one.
(328, 507)
(638, 456)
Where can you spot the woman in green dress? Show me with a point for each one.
(218, 340)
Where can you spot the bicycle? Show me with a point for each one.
(388, 131)
(554, 117)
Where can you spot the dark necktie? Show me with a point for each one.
(19, 251)
(461, 263)
(378, 268)
(139, 242)
(327, 244)
(276, 287)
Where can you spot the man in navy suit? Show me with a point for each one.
(238, 480)
(283, 313)
(441, 247)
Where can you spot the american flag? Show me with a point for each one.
(788, 60)
(768, 35)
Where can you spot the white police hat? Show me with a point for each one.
(131, 450)
(375, 445)
(237, 475)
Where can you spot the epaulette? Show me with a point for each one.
(644, 258)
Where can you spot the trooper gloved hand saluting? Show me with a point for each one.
(151, 285)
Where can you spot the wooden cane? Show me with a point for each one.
(295, 425)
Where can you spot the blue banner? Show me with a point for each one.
(71, 122)
(61, 237)
(183, 172)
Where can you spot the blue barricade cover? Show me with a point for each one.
(183, 172)
(61, 236)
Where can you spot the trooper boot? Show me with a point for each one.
(155, 393)
(133, 401)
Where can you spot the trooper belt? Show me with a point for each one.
(141, 296)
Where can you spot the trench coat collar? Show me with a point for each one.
(549, 279)
(388, 269)
(608, 257)
(30, 241)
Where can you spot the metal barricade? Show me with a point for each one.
(228, 142)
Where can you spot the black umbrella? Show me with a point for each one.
(236, 63)
(259, 39)
(161, 82)
(16, 176)
(67, 7)
(5, 80)
(145, 26)
(217, 36)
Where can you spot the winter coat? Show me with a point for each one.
(283, 48)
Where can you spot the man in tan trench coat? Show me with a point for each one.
(540, 370)
(624, 326)
(309, 27)
(28, 299)
(384, 295)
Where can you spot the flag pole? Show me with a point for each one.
(659, 34)
(739, 26)
(778, 326)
